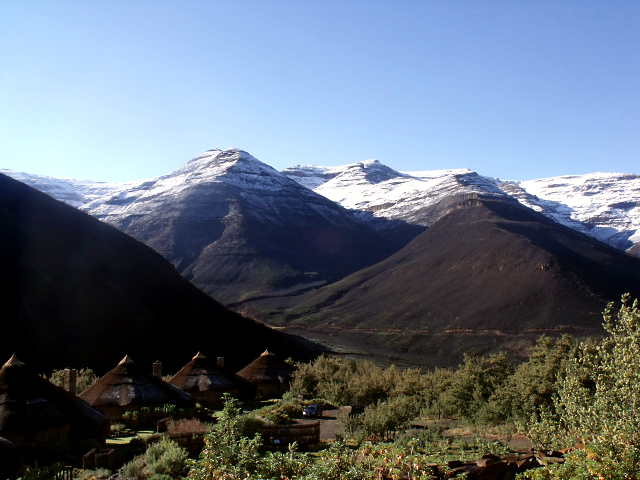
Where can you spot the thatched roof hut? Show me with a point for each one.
(9, 459)
(270, 374)
(34, 411)
(127, 387)
(207, 382)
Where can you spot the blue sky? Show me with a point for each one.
(122, 90)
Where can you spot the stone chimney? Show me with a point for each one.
(220, 362)
(70, 377)
(157, 369)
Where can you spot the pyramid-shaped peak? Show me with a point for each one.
(218, 163)
(199, 355)
(371, 171)
(13, 362)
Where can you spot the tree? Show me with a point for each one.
(227, 453)
(164, 460)
(598, 403)
(473, 383)
(84, 378)
(534, 383)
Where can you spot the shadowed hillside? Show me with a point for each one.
(483, 277)
(78, 292)
(238, 229)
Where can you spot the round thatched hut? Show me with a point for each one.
(207, 381)
(33, 411)
(9, 459)
(128, 388)
(270, 374)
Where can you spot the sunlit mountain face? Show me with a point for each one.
(424, 265)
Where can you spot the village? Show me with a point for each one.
(38, 417)
(110, 428)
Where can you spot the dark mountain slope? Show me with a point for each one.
(238, 229)
(78, 292)
(490, 265)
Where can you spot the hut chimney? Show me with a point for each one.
(220, 362)
(70, 377)
(157, 369)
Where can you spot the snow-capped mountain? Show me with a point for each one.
(374, 191)
(603, 205)
(363, 245)
(80, 292)
(76, 193)
(234, 226)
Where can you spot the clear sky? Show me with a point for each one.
(131, 89)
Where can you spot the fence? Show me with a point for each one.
(105, 458)
(65, 474)
(304, 434)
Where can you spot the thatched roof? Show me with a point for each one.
(202, 374)
(128, 385)
(9, 459)
(30, 403)
(267, 368)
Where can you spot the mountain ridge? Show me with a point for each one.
(489, 276)
(603, 205)
(269, 247)
(84, 294)
(238, 228)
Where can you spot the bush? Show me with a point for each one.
(383, 420)
(187, 425)
(473, 384)
(97, 474)
(531, 388)
(84, 378)
(344, 382)
(227, 453)
(598, 402)
(164, 460)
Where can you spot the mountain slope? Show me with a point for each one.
(605, 206)
(81, 293)
(239, 229)
(490, 268)
(385, 198)
(602, 205)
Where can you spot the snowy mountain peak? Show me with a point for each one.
(603, 205)
(216, 163)
(370, 171)
(373, 187)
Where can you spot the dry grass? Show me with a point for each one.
(192, 426)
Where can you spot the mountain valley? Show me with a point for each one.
(405, 266)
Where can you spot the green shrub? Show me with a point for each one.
(598, 403)
(84, 378)
(133, 470)
(472, 385)
(531, 388)
(227, 453)
(164, 460)
(98, 473)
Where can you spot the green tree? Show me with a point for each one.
(164, 460)
(84, 379)
(534, 383)
(227, 453)
(598, 403)
(472, 385)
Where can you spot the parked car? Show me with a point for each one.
(312, 411)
